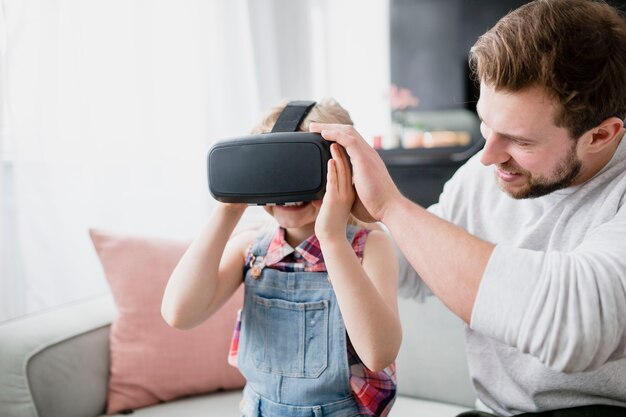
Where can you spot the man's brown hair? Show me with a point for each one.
(574, 49)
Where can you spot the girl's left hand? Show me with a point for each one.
(337, 202)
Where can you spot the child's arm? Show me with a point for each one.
(366, 293)
(209, 272)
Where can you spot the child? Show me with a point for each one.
(319, 327)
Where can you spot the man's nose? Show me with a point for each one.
(495, 150)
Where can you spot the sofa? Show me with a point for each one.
(56, 364)
(114, 354)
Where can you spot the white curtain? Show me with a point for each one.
(4, 286)
(109, 107)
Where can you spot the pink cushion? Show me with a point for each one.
(150, 361)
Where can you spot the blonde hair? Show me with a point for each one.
(327, 110)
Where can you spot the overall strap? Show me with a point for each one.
(255, 258)
(351, 231)
(262, 241)
(357, 236)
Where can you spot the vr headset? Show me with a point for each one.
(281, 167)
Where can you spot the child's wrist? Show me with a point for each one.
(332, 239)
(230, 208)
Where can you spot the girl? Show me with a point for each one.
(319, 329)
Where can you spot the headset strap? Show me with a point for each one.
(292, 115)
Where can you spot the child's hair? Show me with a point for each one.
(326, 110)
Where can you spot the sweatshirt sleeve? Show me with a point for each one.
(567, 309)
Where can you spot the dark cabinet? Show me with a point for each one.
(421, 172)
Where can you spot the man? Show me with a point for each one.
(528, 241)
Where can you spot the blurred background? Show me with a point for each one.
(107, 110)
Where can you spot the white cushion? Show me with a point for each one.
(432, 363)
(410, 407)
(222, 404)
(226, 404)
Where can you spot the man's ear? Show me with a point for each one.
(604, 134)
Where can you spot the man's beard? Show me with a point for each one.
(566, 172)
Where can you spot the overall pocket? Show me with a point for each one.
(288, 338)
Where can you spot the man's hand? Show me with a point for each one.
(374, 186)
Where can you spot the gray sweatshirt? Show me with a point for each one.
(548, 329)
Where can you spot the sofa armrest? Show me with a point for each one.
(56, 363)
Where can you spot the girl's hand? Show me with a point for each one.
(333, 216)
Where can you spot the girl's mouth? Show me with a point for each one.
(295, 205)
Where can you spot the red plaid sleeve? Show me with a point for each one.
(374, 392)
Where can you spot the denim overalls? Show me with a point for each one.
(292, 349)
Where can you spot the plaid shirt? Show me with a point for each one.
(374, 392)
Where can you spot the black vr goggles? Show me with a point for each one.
(283, 166)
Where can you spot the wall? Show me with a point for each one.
(430, 40)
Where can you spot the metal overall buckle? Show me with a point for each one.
(257, 263)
